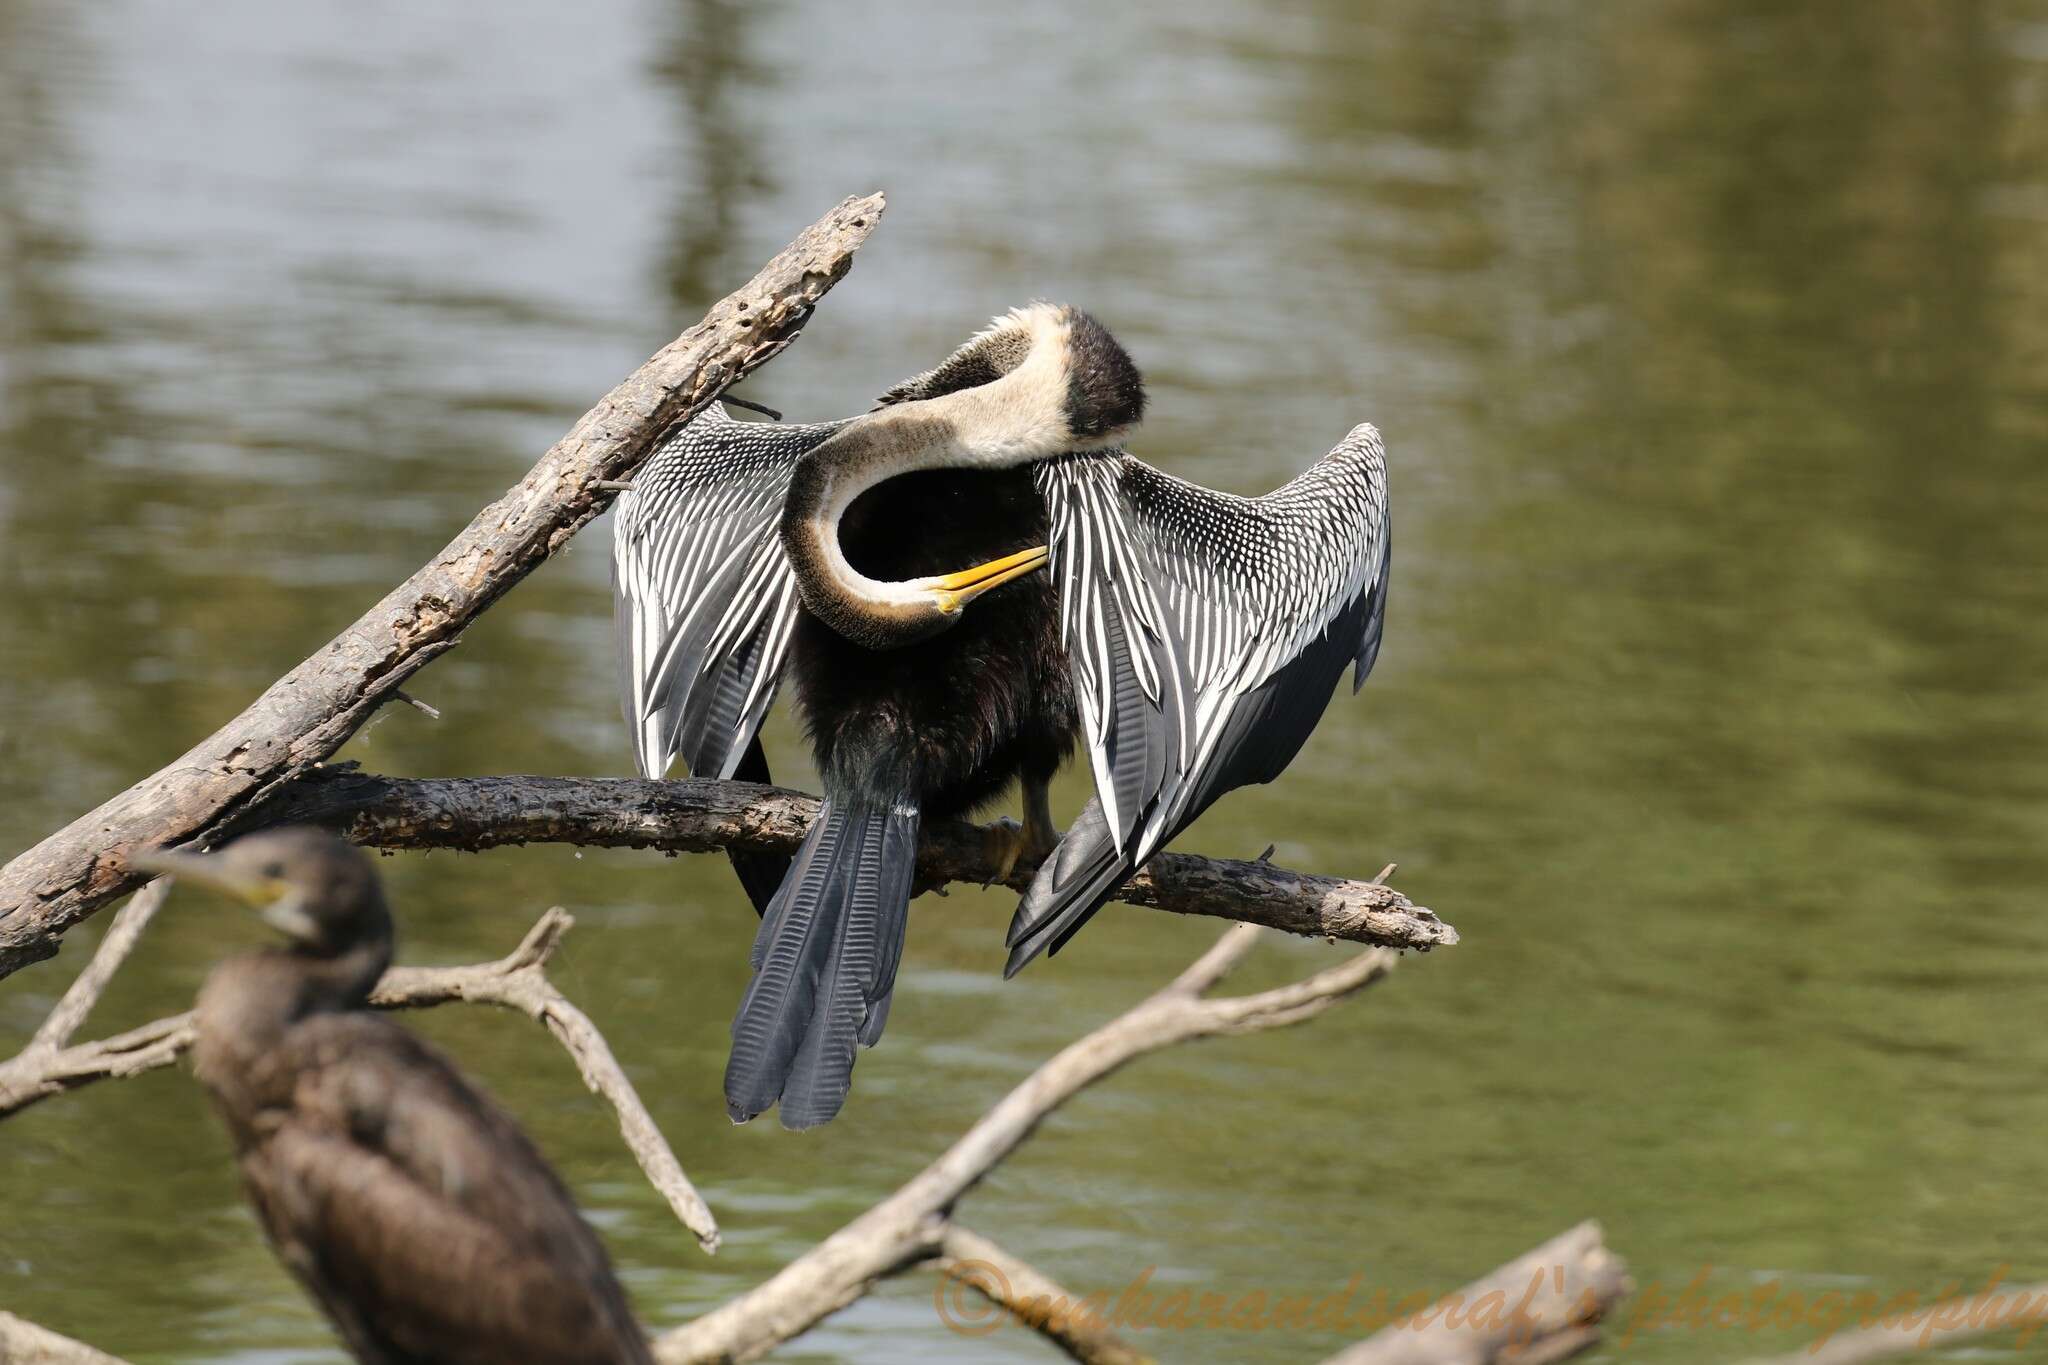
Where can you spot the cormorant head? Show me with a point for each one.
(1092, 381)
(319, 892)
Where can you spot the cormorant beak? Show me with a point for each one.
(956, 590)
(271, 895)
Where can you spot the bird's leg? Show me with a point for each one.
(1040, 833)
(1008, 843)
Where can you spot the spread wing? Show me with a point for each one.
(419, 1215)
(1205, 632)
(704, 598)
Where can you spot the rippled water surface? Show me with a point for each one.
(1708, 340)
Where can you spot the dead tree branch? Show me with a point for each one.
(308, 713)
(1540, 1307)
(519, 981)
(1023, 1293)
(516, 981)
(1939, 1326)
(911, 1225)
(85, 992)
(47, 1067)
(31, 1077)
(24, 1343)
(476, 813)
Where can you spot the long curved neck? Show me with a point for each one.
(825, 483)
(1015, 419)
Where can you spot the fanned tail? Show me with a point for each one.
(824, 965)
(1082, 873)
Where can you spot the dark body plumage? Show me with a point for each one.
(1190, 638)
(419, 1217)
(935, 728)
(955, 718)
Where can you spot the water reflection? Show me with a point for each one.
(706, 63)
(1707, 338)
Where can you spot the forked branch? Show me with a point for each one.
(516, 981)
(912, 1224)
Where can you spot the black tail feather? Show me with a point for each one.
(760, 873)
(1070, 887)
(825, 964)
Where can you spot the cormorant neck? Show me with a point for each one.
(251, 1001)
(342, 981)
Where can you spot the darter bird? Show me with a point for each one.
(1192, 638)
(415, 1212)
(743, 548)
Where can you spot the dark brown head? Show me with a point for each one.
(319, 892)
(1095, 387)
(1105, 394)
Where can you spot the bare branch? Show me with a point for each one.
(1540, 1307)
(31, 1078)
(1206, 972)
(46, 1067)
(308, 713)
(1025, 1294)
(520, 982)
(516, 981)
(1936, 1327)
(476, 813)
(911, 1224)
(24, 1343)
(91, 984)
(430, 712)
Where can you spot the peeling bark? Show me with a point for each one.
(476, 813)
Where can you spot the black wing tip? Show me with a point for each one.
(1023, 955)
(1045, 921)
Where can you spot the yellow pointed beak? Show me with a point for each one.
(956, 590)
(203, 869)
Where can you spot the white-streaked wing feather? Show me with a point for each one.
(705, 598)
(1177, 603)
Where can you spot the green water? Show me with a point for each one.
(1707, 337)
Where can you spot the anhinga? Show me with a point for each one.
(1192, 637)
(742, 546)
(416, 1213)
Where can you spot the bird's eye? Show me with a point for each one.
(273, 869)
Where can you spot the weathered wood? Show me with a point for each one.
(974, 1265)
(516, 981)
(474, 813)
(24, 1343)
(311, 711)
(1545, 1305)
(910, 1225)
(1884, 1326)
